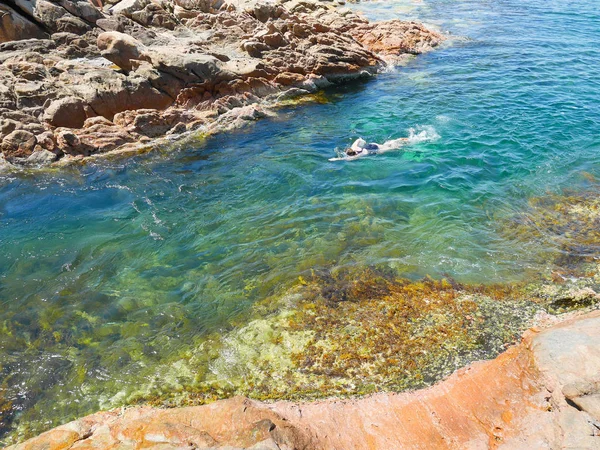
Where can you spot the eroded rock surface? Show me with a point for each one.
(543, 393)
(180, 64)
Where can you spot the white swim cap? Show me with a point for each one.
(360, 142)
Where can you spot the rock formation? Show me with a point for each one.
(77, 80)
(543, 393)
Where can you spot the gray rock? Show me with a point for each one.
(82, 9)
(128, 7)
(41, 158)
(4, 164)
(10, 49)
(44, 11)
(191, 68)
(71, 24)
(204, 6)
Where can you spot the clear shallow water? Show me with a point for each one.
(112, 275)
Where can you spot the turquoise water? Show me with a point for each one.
(113, 274)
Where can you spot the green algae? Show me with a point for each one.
(567, 224)
(354, 332)
(319, 97)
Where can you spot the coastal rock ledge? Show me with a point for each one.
(543, 393)
(79, 79)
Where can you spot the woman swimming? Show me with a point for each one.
(361, 148)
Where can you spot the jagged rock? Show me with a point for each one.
(127, 7)
(205, 6)
(255, 48)
(191, 68)
(100, 135)
(162, 81)
(19, 143)
(145, 12)
(67, 140)
(394, 38)
(275, 40)
(266, 11)
(148, 122)
(288, 78)
(70, 24)
(7, 126)
(4, 164)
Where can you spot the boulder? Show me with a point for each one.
(83, 10)
(108, 92)
(121, 49)
(66, 112)
(19, 143)
(191, 68)
(146, 13)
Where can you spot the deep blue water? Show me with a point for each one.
(112, 272)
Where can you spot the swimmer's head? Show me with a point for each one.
(350, 152)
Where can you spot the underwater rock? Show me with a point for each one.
(543, 393)
(570, 222)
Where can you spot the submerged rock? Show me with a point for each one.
(543, 393)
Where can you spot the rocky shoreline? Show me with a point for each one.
(78, 79)
(542, 393)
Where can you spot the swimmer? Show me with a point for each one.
(361, 148)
